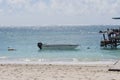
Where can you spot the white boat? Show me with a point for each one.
(57, 46)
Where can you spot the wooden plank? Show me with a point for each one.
(116, 18)
(116, 66)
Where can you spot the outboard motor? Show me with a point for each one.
(40, 45)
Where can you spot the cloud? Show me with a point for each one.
(63, 7)
(16, 1)
(25, 6)
(79, 7)
(1, 11)
(1, 1)
(39, 6)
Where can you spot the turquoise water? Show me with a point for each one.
(25, 40)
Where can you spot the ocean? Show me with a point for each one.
(24, 40)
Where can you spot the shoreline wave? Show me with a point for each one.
(43, 61)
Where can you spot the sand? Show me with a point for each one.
(57, 72)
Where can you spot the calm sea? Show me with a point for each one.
(25, 40)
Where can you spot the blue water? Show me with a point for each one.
(25, 40)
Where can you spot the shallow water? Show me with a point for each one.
(25, 40)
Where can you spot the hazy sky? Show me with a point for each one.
(59, 12)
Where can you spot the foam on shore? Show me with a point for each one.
(60, 63)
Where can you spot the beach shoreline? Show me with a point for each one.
(57, 71)
(102, 62)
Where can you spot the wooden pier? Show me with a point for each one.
(111, 38)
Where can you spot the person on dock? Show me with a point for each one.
(109, 33)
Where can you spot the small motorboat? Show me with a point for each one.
(11, 49)
(57, 46)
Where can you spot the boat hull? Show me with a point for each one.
(58, 46)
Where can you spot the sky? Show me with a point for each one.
(59, 12)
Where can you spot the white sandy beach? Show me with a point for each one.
(57, 72)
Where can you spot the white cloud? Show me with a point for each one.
(79, 7)
(1, 1)
(39, 6)
(15, 6)
(26, 6)
(66, 7)
(64, 11)
(16, 1)
(1, 10)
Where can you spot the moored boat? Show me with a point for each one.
(57, 46)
